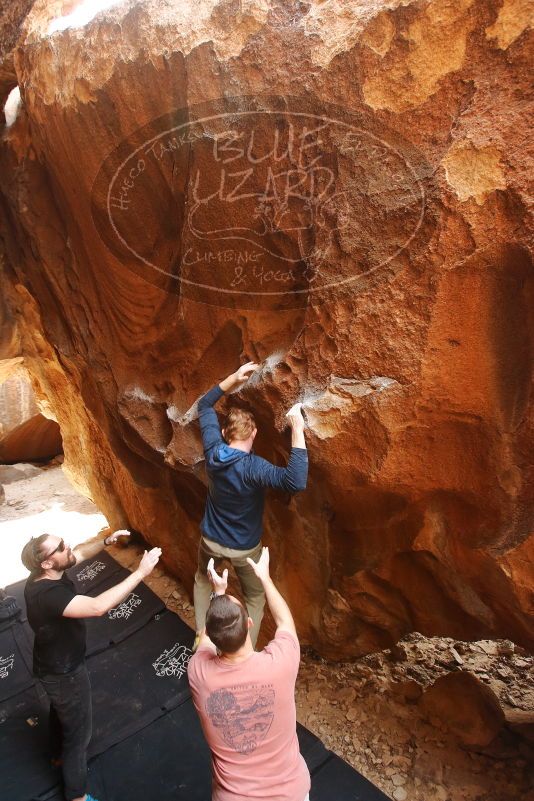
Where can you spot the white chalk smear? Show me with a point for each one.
(81, 15)
(184, 419)
(273, 360)
(12, 105)
(267, 366)
(310, 397)
(138, 394)
(295, 409)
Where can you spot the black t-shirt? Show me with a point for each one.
(59, 645)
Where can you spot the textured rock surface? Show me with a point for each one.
(17, 402)
(413, 353)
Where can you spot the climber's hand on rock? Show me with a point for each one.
(295, 418)
(121, 532)
(219, 583)
(149, 561)
(245, 371)
(238, 378)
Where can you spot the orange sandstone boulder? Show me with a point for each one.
(338, 191)
(35, 439)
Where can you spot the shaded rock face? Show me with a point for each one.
(25, 433)
(337, 192)
(37, 438)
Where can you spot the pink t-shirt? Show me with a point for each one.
(249, 719)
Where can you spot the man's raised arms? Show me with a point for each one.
(84, 606)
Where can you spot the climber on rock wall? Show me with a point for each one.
(232, 523)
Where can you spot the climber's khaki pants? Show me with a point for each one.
(251, 586)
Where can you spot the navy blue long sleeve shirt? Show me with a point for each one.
(237, 482)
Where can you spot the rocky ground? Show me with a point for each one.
(378, 712)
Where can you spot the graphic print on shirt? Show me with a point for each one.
(173, 661)
(91, 571)
(6, 664)
(243, 714)
(126, 608)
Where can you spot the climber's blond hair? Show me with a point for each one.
(239, 424)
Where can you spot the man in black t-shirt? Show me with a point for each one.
(55, 613)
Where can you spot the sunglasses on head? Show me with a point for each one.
(60, 548)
